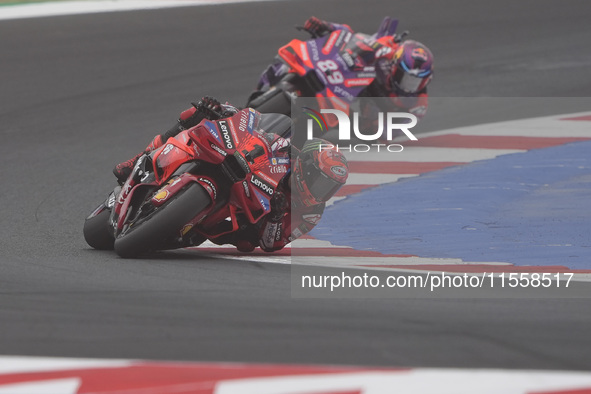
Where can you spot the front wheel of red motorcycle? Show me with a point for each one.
(156, 230)
(98, 233)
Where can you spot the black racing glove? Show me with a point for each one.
(209, 107)
(317, 27)
(279, 207)
(206, 108)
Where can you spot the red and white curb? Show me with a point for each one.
(31, 375)
(432, 152)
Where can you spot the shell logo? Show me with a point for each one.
(186, 229)
(161, 195)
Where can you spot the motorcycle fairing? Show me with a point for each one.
(342, 61)
(233, 147)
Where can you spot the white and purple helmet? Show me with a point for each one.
(412, 69)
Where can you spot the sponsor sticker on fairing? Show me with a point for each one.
(186, 228)
(346, 56)
(246, 189)
(278, 169)
(295, 234)
(343, 93)
(312, 218)
(263, 200)
(226, 135)
(314, 49)
(269, 234)
(173, 181)
(167, 149)
(383, 51)
(218, 149)
(304, 52)
(330, 43)
(266, 138)
(358, 82)
(278, 232)
(211, 186)
(266, 177)
(262, 185)
(279, 144)
(280, 161)
(251, 118)
(341, 61)
(243, 122)
(342, 39)
(161, 195)
(366, 75)
(212, 130)
(256, 118)
(111, 201)
(124, 192)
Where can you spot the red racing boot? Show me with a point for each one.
(122, 170)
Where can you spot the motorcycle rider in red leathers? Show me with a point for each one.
(297, 205)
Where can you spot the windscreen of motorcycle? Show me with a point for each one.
(277, 124)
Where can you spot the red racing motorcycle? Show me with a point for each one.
(201, 184)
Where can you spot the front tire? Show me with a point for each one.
(98, 233)
(155, 231)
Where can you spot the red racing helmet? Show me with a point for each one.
(319, 172)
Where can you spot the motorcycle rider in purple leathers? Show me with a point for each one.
(403, 68)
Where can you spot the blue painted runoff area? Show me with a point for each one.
(531, 208)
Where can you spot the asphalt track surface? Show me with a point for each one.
(81, 93)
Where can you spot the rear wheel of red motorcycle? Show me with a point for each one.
(156, 230)
(97, 231)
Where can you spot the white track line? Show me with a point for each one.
(283, 380)
(420, 380)
(431, 154)
(23, 364)
(53, 386)
(550, 126)
(375, 179)
(37, 10)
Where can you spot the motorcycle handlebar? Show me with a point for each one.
(301, 28)
(200, 107)
(399, 37)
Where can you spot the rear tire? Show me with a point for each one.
(97, 231)
(156, 231)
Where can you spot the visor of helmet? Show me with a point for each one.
(320, 185)
(410, 81)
